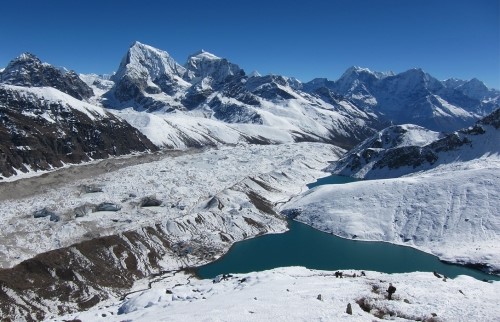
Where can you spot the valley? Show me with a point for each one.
(115, 187)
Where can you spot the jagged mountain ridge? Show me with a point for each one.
(28, 70)
(221, 90)
(414, 97)
(211, 87)
(403, 149)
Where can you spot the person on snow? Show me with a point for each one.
(391, 290)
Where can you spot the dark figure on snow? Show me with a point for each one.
(391, 290)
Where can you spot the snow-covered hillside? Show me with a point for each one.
(404, 149)
(300, 294)
(42, 128)
(452, 211)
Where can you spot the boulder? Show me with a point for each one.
(82, 210)
(107, 206)
(41, 213)
(91, 188)
(150, 202)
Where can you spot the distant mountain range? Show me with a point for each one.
(149, 79)
(157, 102)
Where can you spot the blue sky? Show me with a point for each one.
(305, 39)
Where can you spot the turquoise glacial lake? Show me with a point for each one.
(303, 245)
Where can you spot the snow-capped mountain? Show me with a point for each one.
(413, 97)
(204, 64)
(404, 149)
(98, 230)
(363, 101)
(474, 88)
(44, 124)
(28, 70)
(210, 87)
(147, 79)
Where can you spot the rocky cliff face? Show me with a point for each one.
(145, 80)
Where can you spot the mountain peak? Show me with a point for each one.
(204, 64)
(142, 58)
(27, 57)
(203, 54)
(476, 82)
(358, 69)
(28, 70)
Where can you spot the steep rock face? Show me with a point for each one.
(28, 70)
(400, 150)
(204, 64)
(208, 73)
(143, 73)
(43, 128)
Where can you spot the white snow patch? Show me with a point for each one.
(54, 95)
(292, 293)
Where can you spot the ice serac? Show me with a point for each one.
(146, 79)
(28, 70)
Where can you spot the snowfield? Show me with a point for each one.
(452, 211)
(300, 294)
(54, 95)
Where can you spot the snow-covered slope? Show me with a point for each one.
(452, 211)
(100, 84)
(448, 203)
(404, 149)
(300, 294)
(42, 128)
